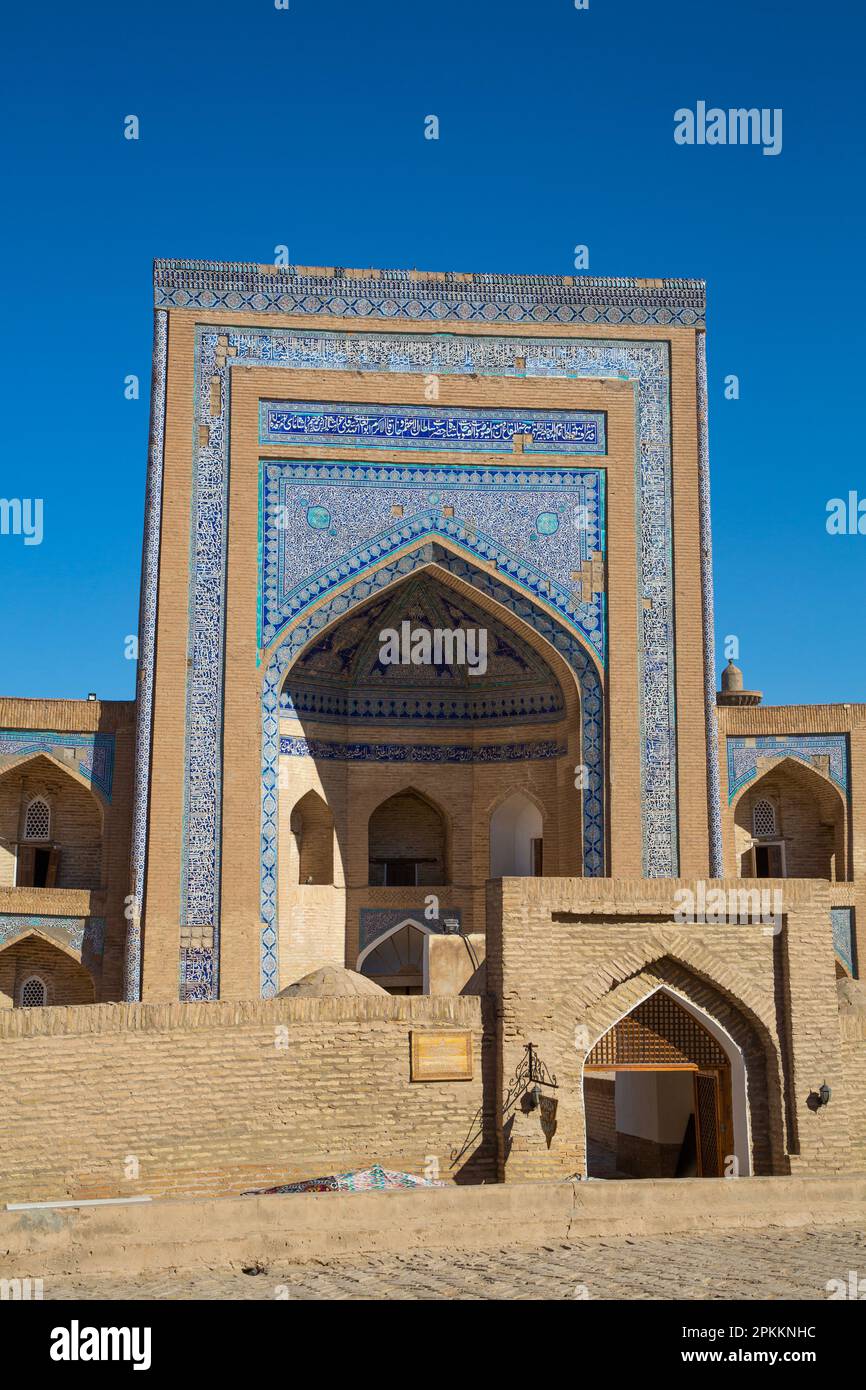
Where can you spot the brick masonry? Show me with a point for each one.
(563, 950)
(118, 1100)
(566, 958)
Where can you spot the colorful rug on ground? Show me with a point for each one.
(375, 1179)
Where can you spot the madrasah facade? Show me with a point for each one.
(427, 672)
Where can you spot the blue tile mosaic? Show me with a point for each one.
(146, 655)
(407, 294)
(842, 919)
(743, 754)
(85, 936)
(326, 751)
(432, 427)
(93, 753)
(708, 627)
(644, 363)
(490, 514)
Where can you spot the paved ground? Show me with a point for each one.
(770, 1264)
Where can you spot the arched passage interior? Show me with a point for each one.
(408, 756)
(665, 1095)
(407, 837)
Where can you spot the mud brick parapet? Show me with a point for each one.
(127, 1099)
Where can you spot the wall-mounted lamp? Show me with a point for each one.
(533, 1098)
(824, 1094)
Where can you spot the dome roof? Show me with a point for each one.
(328, 982)
(732, 677)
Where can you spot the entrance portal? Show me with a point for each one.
(658, 1096)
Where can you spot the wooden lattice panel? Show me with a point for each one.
(659, 1032)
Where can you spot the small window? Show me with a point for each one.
(764, 819)
(37, 822)
(34, 993)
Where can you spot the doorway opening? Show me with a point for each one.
(659, 1096)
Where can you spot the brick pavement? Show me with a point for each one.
(771, 1264)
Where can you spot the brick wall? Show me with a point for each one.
(223, 1097)
(848, 846)
(65, 979)
(600, 1110)
(568, 957)
(854, 1071)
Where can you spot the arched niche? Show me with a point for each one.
(516, 838)
(34, 957)
(407, 842)
(312, 827)
(51, 827)
(791, 822)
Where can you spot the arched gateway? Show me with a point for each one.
(424, 719)
(659, 1095)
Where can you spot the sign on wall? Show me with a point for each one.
(441, 1055)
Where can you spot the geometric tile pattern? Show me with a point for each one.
(643, 363)
(325, 522)
(395, 294)
(743, 754)
(94, 753)
(843, 936)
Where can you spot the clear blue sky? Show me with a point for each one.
(305, 127)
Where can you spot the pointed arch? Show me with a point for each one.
(39, 936)
(21, 762)
(32, 954)
(407, 925)
(52, 825)
(411, 829)
(516, 835)
(742, 1136)
(735, 1015)
(311, 823)
(810, 815)
(567, 652)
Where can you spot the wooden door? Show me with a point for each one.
(707, 1120)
